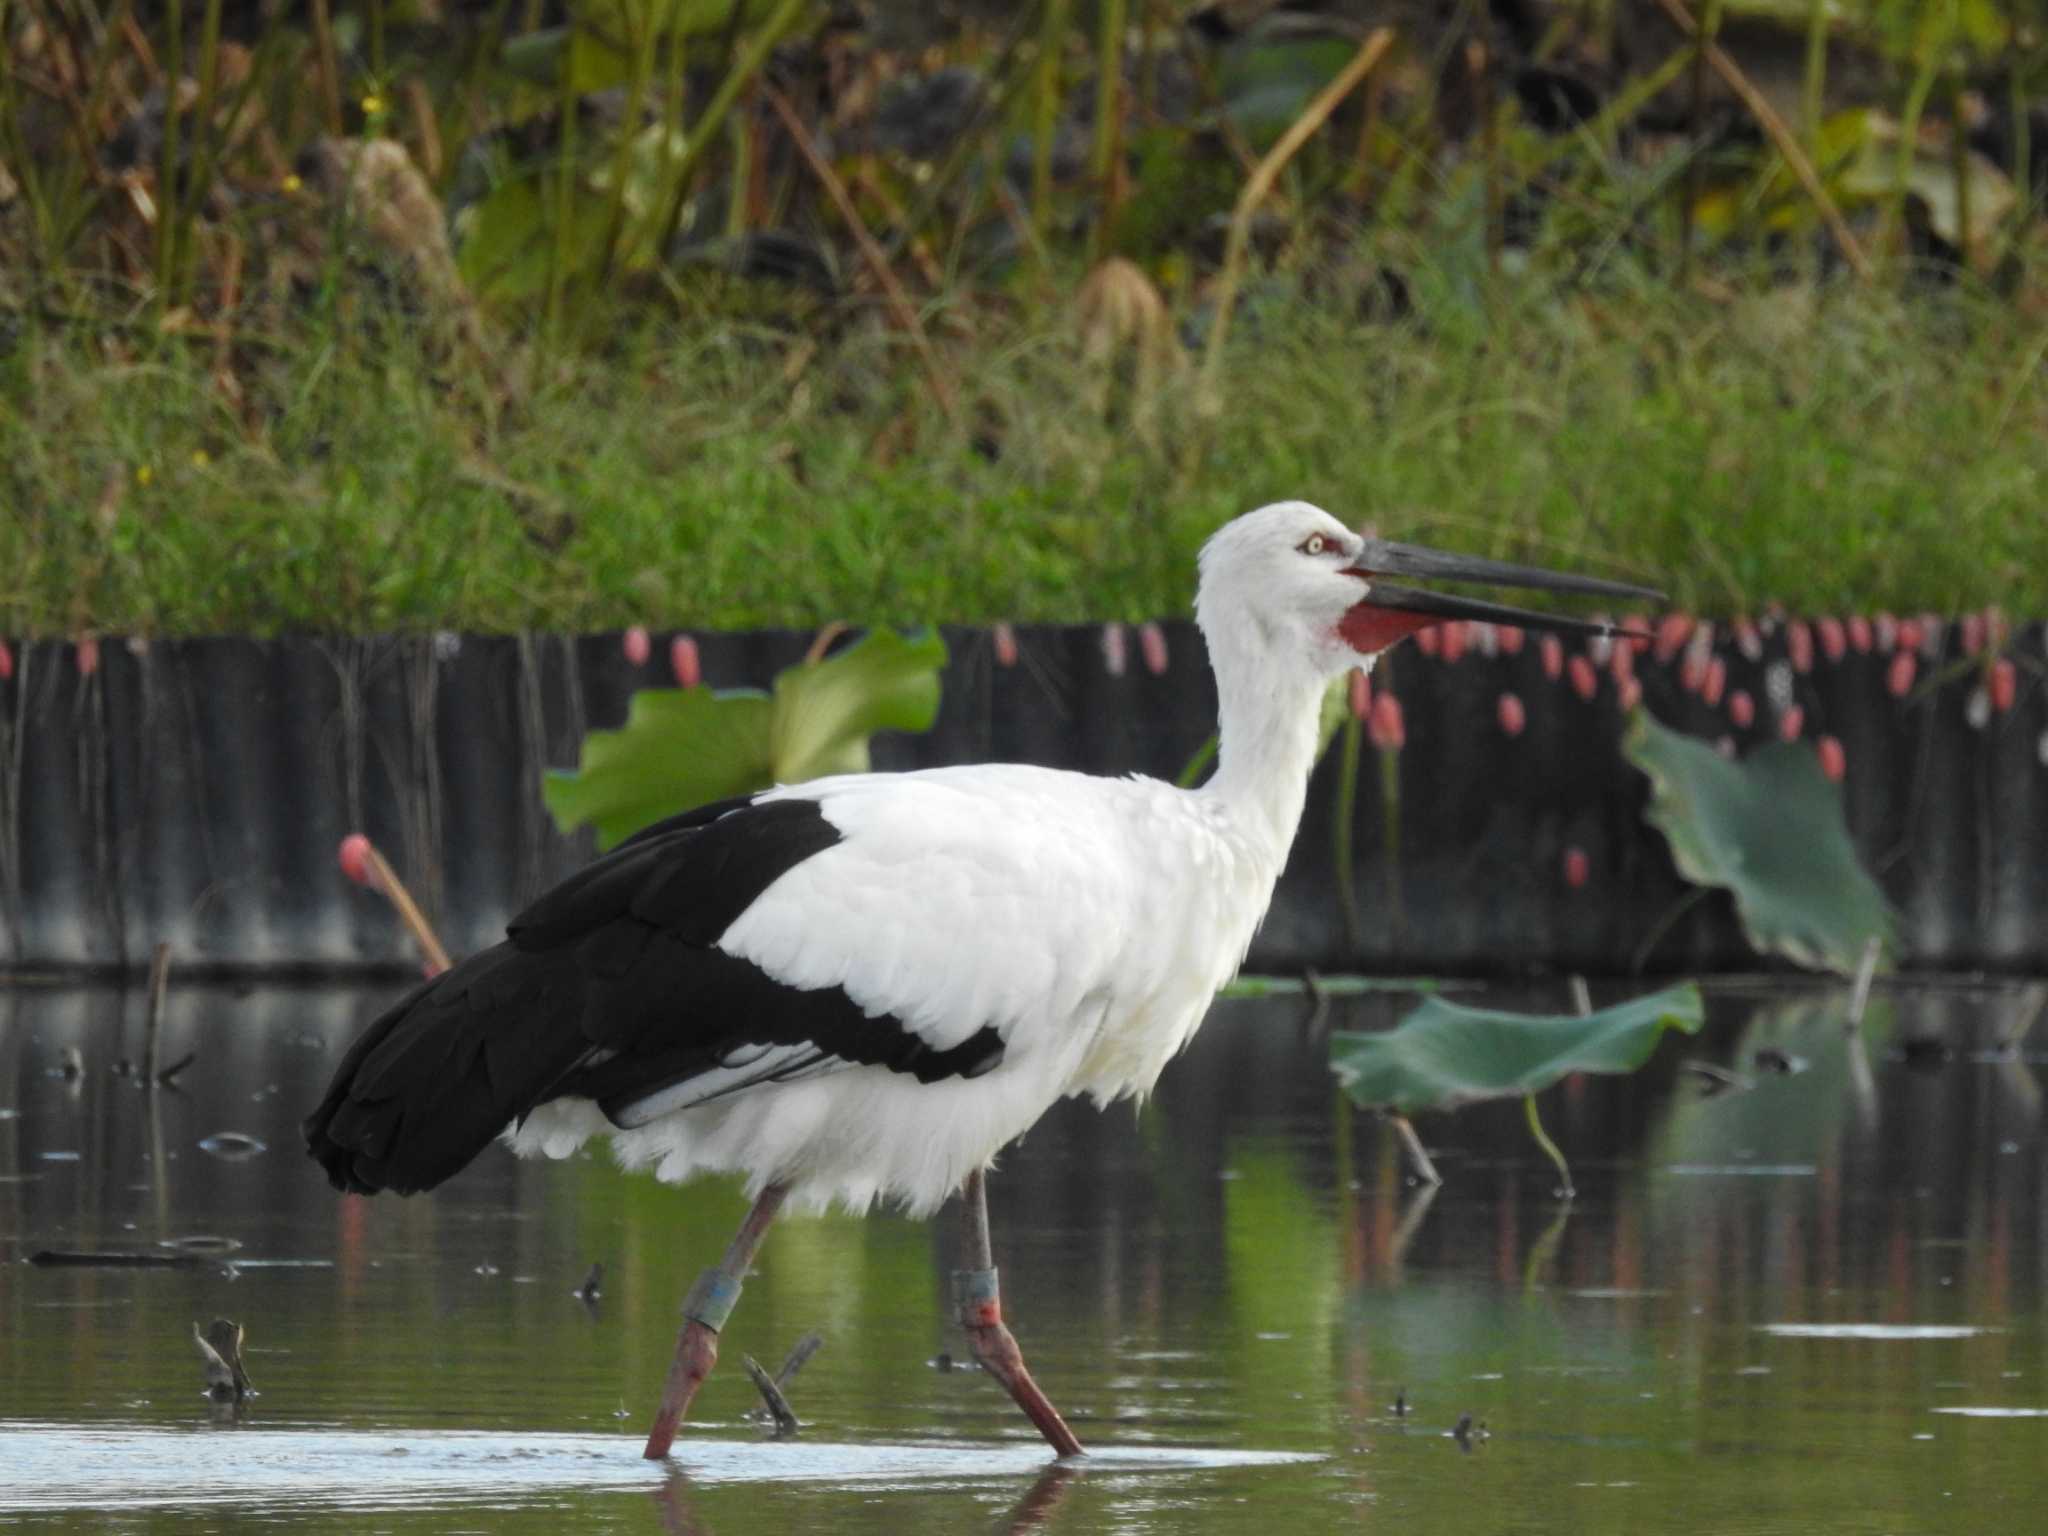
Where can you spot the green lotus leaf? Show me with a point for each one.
(1444, 1054)
(1770, 829)
(683, 747)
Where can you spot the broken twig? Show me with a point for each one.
(798, 1357)
(900, 309)
(220, 1350)
(114, 1258)
(771, 1394)
(1237, 238)
(1780, 136)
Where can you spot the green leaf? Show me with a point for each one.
(1444, 1055)
(679, 747)
(683, 747)
(1770, 829)
(824, 714)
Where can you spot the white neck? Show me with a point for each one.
(1266, 724)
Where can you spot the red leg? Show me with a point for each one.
(981, 1314)
(705, 1310)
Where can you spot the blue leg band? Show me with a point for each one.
(712, 1299)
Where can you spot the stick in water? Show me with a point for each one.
(159, 987)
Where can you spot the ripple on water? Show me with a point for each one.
(51, 1467)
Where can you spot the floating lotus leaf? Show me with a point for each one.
(1770, 829)
(1444, 1054)
(683, 747)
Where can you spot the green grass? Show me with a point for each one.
(1831, 449)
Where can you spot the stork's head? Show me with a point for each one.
(1308, 590)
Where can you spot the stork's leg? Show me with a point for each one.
(981, 1314)
(705, 1310)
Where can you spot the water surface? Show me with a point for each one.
(1814, 1304)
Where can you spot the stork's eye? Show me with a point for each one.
(1314, 544)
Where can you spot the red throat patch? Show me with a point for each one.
(1370, 630)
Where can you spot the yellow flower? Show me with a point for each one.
(291, 182)
(144, 474)
(201, 458)
(373, 105)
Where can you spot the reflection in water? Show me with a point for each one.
(1815, 1302)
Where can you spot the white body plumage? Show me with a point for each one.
(1090, 921)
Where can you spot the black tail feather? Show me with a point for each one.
(428, 1085)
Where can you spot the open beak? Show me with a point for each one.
(1388, 612)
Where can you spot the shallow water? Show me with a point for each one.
(1821, 1303)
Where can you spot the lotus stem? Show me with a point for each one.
(1859, 995)
(1564, 1172)
(385, 879)
(1411, 1143)
(1343, 824)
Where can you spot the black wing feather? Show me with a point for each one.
(608, 987)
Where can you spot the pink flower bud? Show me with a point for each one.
(1585, 681)
(634, 644)
(1672, 630)
(1005, 639)
(1899, 676)
(1833, 761)
(1799, 645)
(1791, 723)
(1455, 639)
(1512, 716)
(1859, 633)
(355, 859)
(682, 661)
(1152, 646)
(1509, 637)
(1114, 653)
(1741, 709)
(1577, 867)
(1834, 642)
(1386, 729)
(1552, 650)
(1716, 683)
(2005, 684)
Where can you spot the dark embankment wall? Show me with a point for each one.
(195, 791)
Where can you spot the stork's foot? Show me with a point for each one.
(981, 1314)
(708, 1305)
(696, 1354)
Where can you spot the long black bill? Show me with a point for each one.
(1383, 557)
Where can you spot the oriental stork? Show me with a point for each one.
(861, 988)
